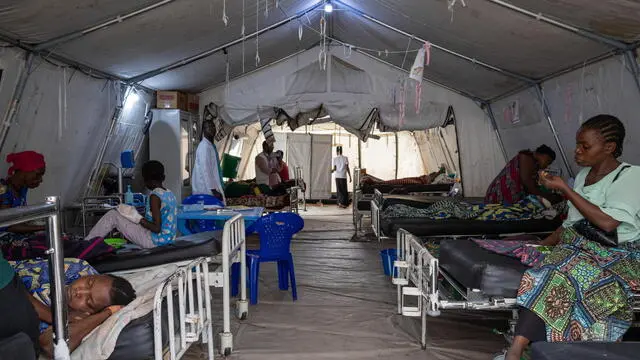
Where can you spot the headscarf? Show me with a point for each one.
(25, 161)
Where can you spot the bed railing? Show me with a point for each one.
(375, 220)
(49, 210)
(378, 197)
(193, 283)
(194, 322)
(294, 200)
(299, 179)
(234, 249)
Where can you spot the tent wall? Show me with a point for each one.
(439, 146)
(261, 91)
(69, 144)
(606, 87)
(69, 136)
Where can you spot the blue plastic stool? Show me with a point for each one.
(198, 226)
(276, 231)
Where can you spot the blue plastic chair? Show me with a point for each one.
(276, 231)
(198, 226)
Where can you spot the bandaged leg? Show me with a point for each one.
(131, 231)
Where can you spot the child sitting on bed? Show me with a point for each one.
(159, 225)
(91, 298)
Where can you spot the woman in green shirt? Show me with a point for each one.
(581, 290)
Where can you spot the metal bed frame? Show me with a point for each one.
(418, 277)
(377, 199)
(197, 321)
(299, 179)
(49, 210)
(294, 200)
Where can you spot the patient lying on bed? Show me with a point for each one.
(159, 225)
(91, 298)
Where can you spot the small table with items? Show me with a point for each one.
(220, 214)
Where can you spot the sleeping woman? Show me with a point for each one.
(581, 290)
(91, 298)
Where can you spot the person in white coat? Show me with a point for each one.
(207, 175)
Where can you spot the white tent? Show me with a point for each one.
(66, 66)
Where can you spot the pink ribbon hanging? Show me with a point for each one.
(427, 52)
(401, 106)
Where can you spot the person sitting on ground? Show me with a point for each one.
(91, 298)
(207, 175)
(158, 227)
(282, 166)
(581, 290)
(519, 178)
(26, 172)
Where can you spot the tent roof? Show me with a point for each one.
(484, 49)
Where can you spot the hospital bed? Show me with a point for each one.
(208, 256)
(384, 228)
(362, 196)
(463, 277)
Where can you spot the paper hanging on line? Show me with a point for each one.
(418, 66)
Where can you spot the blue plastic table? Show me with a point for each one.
(250, 216)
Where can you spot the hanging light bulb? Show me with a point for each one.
(328, 8)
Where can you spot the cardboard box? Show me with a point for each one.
(172, 100)
(193, 102)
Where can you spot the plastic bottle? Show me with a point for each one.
(456, 189)
(128, 196)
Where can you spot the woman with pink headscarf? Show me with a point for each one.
(26, 172)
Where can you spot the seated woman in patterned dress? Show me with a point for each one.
(159, 225)
(518, 178)
(581, 290)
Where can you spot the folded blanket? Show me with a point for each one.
(529, 208)
(522, 250)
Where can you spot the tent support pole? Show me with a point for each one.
(397, 156)
(77, 34)
(559, 24)
(204, 54)
(634, 68)
(547, 114)
(494, 124)
(441, 48)
(359, 154)
(12, 111)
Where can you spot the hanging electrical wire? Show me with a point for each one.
(225, 18)
(257, 34)
(227, 84)
(322, 56)
(243, 33)
(266, 8)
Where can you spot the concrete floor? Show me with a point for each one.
(346, 307)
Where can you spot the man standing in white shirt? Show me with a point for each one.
(341, 168)
(265, 165)
(207, 176)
